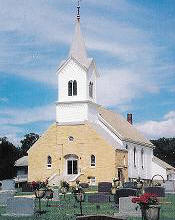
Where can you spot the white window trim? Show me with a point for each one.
(66, 165)
(49, 166)
(92, 163)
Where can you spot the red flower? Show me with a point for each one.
(34, 183)
(135, 199)
(146, 199)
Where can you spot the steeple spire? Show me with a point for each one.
(78, 49)
(78, 11)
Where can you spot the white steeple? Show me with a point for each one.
(76, 81)
(78, 48)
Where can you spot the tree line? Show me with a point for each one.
(164, 149)
(10, 153)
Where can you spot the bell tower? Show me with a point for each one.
(77, 77)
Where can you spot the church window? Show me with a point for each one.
(75, 87)
(49, 162)
(71, 138)
(142, 158)
(124, 161)
(91, 89)
(134, 157)
(72, 88)
(93, 161)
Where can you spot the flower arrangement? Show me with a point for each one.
(39, 185)
(146, 200)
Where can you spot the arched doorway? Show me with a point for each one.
(71, 164)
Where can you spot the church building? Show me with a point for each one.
(87, 142)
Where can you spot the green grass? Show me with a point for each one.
(66, 210)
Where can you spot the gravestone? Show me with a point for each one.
(4, 196)
(56, 195)
(169, 187)
(124, 192)
(131, 185)
(104, 187)
(157, 190)
(84, 185)
(8, 184)
(27, 187)
(128, 208)
(20, 207)
(98, 198)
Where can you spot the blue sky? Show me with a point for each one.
(132, 42)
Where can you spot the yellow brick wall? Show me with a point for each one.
(54, 142)
(122, 162)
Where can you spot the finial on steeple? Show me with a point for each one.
(78, 11)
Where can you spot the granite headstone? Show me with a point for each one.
(127, 207)
(20, 207)
(169, 187)
(4, 196)
(124, 192)
(8, 184)
(104, 187)
(157, 190)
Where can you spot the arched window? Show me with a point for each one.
(142, 158)
(91, 89)
(92, 161)
(75, 87)
(72, 88)
(134, 157)
(124, 161)
(49, 162)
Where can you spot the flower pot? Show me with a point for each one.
(80, 197)
(151, 213)
(40, 193)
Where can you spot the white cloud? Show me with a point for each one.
(25, 116)
(157, 129)
(12, 120)
(3, 99)
(11, 132)
(120, 86)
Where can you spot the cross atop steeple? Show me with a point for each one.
(78, 11)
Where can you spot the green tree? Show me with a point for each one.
(28, 141)
(165, 149)
(8, 155)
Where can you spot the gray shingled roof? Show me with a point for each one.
(163, 163)
(123, 129)
(22, 162)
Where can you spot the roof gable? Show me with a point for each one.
(66, 62)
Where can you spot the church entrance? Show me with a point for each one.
(71, 164)
(72, 167)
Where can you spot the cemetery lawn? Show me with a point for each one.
(65, 209)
